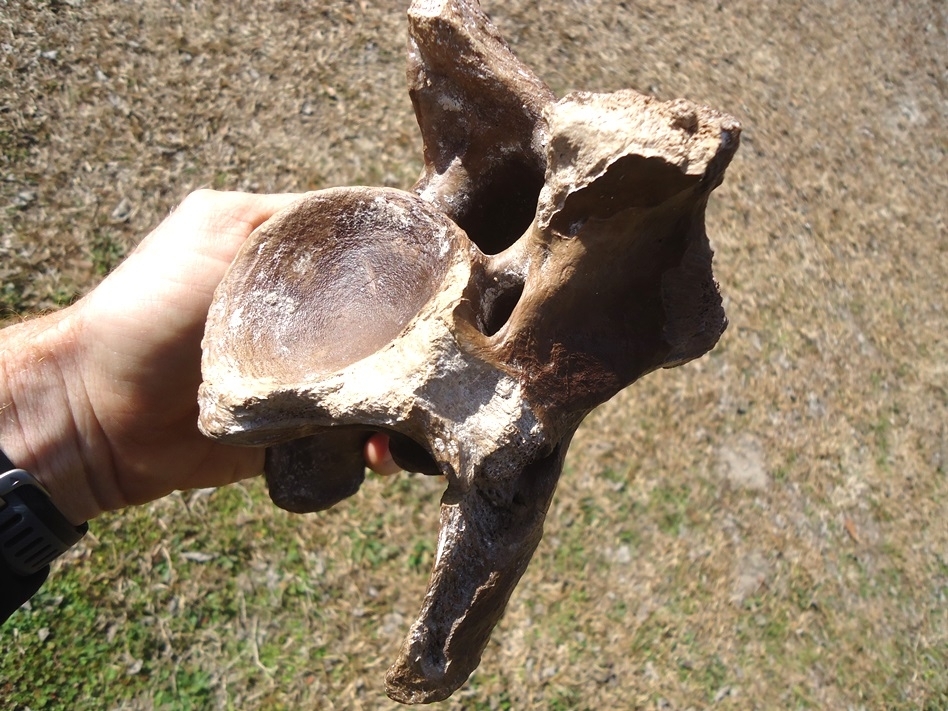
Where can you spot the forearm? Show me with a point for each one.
(47, 425)
(99, 401)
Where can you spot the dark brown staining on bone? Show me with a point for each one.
(579, 341)
(480, 565)
(314, 473)
(478, 107)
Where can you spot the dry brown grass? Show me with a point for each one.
(764, 528)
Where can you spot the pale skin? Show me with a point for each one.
(99, 401)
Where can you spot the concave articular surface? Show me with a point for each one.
(552, 252)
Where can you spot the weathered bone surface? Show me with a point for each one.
(551, 253)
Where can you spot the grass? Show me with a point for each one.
(107, 251)
(153, 618)
(660, 582)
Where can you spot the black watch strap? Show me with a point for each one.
(33, 531)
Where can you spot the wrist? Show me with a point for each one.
(46, 423)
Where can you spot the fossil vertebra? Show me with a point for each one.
(552, 252)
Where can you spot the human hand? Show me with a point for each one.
(99, 401)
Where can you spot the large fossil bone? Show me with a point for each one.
(551, 253)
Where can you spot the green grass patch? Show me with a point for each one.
(107, 250)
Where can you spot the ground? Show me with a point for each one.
(762, 528)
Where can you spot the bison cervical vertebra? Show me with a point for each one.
(551, 253)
